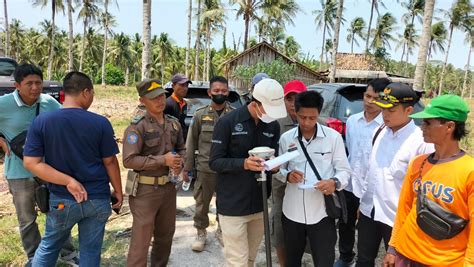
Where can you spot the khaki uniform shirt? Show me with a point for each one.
(146, 142)
(199, 137)
(286, 124)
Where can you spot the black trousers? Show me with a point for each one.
(322, 240)
(370, 234)
(347, 230)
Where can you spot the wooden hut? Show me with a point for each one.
(265, 53)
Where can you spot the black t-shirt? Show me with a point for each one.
(172, 108)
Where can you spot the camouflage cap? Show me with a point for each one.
(150, 88)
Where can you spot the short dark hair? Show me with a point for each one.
(460, 130)
(218, 79)
(309, 99)
(25, 69)
(378, 84)
(75, 82)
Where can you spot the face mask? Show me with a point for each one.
(265, 118)
(219, 99)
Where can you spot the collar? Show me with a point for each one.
(225, 109)
(20, 102)
(181, 103)
(319, 133)
(378, 119)
(288, 120)
(243, 114)
(405, 128)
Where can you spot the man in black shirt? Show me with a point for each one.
(239, 196)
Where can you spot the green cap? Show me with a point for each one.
(150, 88)
(449, 107)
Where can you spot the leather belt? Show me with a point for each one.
(153, 180)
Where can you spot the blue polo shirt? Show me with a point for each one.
(15, 117)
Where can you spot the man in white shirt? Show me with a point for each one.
(359, 132)
(394, 146)
(304, 212)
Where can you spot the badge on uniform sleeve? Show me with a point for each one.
(292, 147)
(132, 138)
(175, 126)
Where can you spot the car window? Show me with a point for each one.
(6, 68)
(350, 103)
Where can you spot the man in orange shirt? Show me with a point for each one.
(445, 177)
(176, 106)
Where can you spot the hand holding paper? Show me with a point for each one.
(273, 163)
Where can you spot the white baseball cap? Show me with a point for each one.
(270, 93)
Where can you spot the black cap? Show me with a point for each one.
(150, 88)
(180, 78)
(396, 93)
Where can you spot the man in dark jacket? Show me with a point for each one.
(176, 106)
(239, 196)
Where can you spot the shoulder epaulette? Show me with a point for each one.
(137, 119)
(202, 107)
(171, 117)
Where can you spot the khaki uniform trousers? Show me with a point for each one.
(204, 189)
(154, 214)
(242, 236)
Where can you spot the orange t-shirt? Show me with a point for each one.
(450, 184)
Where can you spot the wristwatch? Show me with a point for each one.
(337, 182)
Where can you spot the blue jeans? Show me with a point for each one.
(90, 216)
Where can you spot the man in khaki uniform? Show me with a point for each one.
(153, 144)
(199, 138)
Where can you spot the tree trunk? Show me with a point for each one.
(205, 74)
(352, 45)
(440, 89)
(162, 67)
(466, 72)
(146, 53)
(247, 22)
(332, 78)
(370, 25)
(7, 31)
(81, 60)
(70, 36)
(208, 56)
(198, 42)
(106, 35)
(53, 31)
(424, 43)
(406, 60)
(186, 65)
(321, 59)
(425, 80)
(127, 73)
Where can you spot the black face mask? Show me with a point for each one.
(219, 99)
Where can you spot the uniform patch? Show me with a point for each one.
(269, 135)
(207, 118)
(239, 127)
(132, 138)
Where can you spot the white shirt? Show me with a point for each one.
(359, 135)
(388, 165)
(329, 156)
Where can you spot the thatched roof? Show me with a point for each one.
(351, 61)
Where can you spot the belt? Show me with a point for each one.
(153, 180)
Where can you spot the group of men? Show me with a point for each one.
(382, 168)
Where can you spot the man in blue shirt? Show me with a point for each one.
(17, 111)
(79, 151)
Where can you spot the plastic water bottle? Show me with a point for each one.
(186, 185)
(174, 177)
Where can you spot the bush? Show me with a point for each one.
(113, 75)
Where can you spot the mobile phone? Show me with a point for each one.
(114, 200)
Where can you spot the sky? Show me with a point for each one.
(170, 16)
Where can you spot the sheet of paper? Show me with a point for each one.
(271, 164)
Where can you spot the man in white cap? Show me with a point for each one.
(239, 195)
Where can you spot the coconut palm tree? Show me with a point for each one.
(213, 19)
(106, 23)
(470, 41)
(414, 9)
(146, 52)
(424, 44)
(56, 5)
(120, 53)
(457, 15)
(88, 13)
(437, 43)
(7, 32)
(356, 29)
(188, 46)
(374, 5)
(292, 48)
(165, 46)
(382, 32)
(408, 42)
(198, 41)
(340, 8)
(325, 18)
(248, 10)
(16, 38)
(70, 56)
